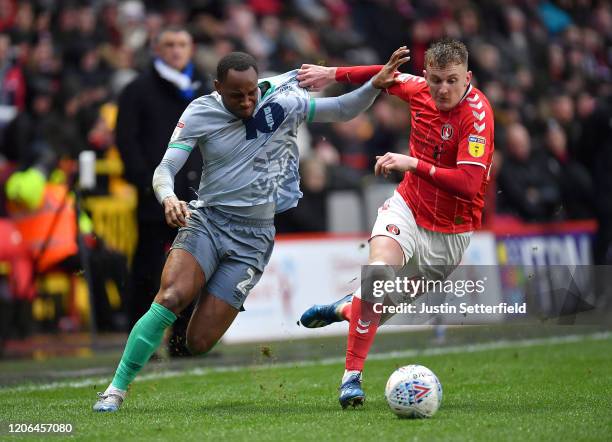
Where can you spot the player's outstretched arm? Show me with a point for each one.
(314, 77)
(175, 211)
(348, 106)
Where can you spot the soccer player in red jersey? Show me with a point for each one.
(434, 210)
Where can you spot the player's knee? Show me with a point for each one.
(198, 345)
(172, 299)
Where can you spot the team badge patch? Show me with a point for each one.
(476, 145)
(446, 132)
(177, 131)
(392, 228)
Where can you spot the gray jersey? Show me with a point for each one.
(251, 166)
(247, 162)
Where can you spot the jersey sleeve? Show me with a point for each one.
(356, 74)
(190, 127)
(406, 85)
(305, 103)
(295, 100)
(476, 133)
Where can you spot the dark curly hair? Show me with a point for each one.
(239, 61)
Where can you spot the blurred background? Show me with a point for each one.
(73, 248)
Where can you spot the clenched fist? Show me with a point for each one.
(176, 212)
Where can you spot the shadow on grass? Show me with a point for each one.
(280, 408)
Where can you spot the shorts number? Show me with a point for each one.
(243, 286)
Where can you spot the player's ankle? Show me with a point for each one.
(349, 373)
(116, 391)
(343, 311)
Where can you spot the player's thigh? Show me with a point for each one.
(182, 279)
(193, 258)
(210, 320)
(394, 235)
(225, 294)
(247, 252)
(386, 250)
(201, 239)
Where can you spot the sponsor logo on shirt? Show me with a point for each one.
(476, 145)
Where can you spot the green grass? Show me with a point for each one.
(560, 391)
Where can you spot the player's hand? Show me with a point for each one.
(314, 77)
(394, 161)
(386, 77)
(176, 212)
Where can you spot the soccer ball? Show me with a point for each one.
(413, 391)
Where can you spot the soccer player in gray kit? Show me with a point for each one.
(246, 132)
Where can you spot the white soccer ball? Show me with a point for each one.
(413, 391)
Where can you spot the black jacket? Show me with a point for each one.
(149, 108)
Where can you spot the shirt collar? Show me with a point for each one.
(467, 92)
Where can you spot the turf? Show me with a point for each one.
(560, 391)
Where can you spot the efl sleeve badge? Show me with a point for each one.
(476, 145)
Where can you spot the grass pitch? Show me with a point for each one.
(553, 390)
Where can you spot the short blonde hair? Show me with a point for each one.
(446, 52)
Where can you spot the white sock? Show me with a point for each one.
(348, 374)
(115, 391)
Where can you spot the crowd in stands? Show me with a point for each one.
(546, 67)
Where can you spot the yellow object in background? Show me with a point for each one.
(81, 300)
(85, 224)
(26, 188)
(58, 176)
(114, 220)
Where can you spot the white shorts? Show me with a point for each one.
(434, 254)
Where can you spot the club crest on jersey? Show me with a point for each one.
(392, 228)
(476, 145)
(446, 132)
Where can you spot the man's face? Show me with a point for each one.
(175, 48)
(447, 85)
(239, 92)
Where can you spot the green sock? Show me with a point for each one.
(144, 339)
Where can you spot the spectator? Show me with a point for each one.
(572, 177)
(525, 188)
(12, 81)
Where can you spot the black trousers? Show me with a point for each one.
(154, 241)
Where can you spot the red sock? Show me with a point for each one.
(362, 329)
(345, 311)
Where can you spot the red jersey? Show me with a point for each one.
(447, 140)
